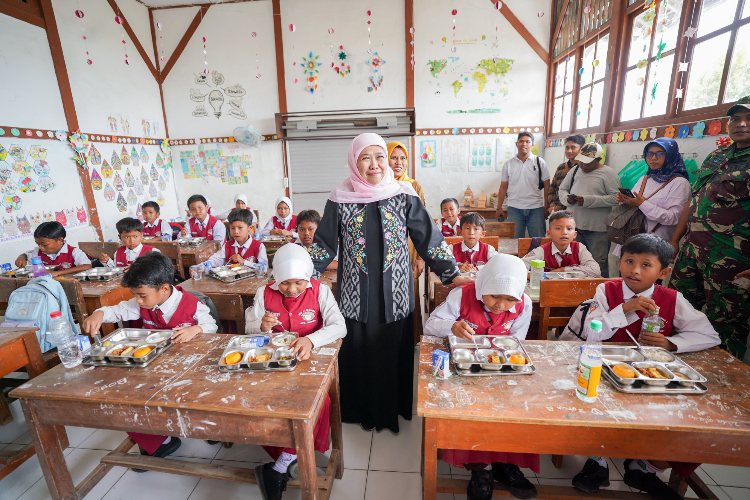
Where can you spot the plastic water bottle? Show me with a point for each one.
(62, 333)
(537, 271)
(261, 268)
(37, 267)
(652, 322)
(590, 364)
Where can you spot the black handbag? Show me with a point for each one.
(626, 220)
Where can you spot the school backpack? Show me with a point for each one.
(575, 329)
(32, 304)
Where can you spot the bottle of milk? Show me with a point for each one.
(590, 364)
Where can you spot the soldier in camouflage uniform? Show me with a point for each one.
(716, 225)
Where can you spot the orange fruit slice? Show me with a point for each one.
(517, 359)
(233, 358)
(141, 352)
(624, 371)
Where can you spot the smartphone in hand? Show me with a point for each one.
(626, 192)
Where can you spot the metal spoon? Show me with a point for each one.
(480, 355)
(638, 346)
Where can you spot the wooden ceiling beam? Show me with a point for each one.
(134, 39)
(279, 42)
(183, 42)
(521, 29)
(23, 12)
(158, 69)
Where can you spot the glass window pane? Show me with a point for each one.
(660, 73)
(567, 100)
(640, 38)
(560, 78)
(746, 10)
(601, 56)
(597, 97)
(582, 113)
(633, 96)
(557, 115)
(706, 69)
(668, 23)
(570, 74)
(738, 83)
(716, 14)
(587, 64)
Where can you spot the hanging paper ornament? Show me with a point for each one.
(96, 157)
(310, 67)
(640, 81)
(541, 12)
(109, 193)
(454, 12)
(119, 185)
(684, 131)
(690, 32)
(129, 179)
(152, 190)
(122, 205)
(342, 66)
(644, 134)
(330, 31)
(162, 183)
(160, 200)
(292, 27)
(376, 63)
(125, 156)
(154, 173)
(649, 16)
(144, 176)
(159, 161)
(96, 181)
(158, 25)
(683, 66)
(139, 187)
(144, 155)
(652, 133)
(678, 93)
(118, 19)
(79, 14)
(669, 132)
(106, 170)
(115, 160)
(580, 71)
(132, 199)
(714, 127)
(642, 63)
(698, 130)
(609, 138)
(498, 5)
(628, 136)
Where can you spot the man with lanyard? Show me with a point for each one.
(573, 145)
(715, 256)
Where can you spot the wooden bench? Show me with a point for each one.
(494, 241)
(524, 245)
(566, 294)
(501, 229)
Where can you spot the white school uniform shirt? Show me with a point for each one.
(333, 329)
(664, 207)
(455, 229)
(693, 330)
(79, 258)
(164, 227)
(219, 229)
(523, 182)
(587, 265)
(491, 252)
(129, 310)
(218, 258)
(446, 314)
(130, 255)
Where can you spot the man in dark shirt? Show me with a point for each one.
(573, 146)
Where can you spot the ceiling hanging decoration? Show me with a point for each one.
(79, 15)
(311, 70)
(453, 37)
(119, 20)
(162, 57)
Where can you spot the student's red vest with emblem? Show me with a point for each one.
(290, 226)
(62, 261)
(153, 232)
(184, 315)
(482, 321)
(250, 253)
(478, 256)
(550, 261)
(304, 317)
(208, 228)
(121, 260)
(447, 230)
(665, 298)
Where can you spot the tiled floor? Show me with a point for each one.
(379, 466)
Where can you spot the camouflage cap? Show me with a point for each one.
(742, 102)
(590, 152)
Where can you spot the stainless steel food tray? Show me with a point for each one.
(567, 275)
(243, 366)
(503, 345)
(100, 274)
(632, 358)
(190, 241)
(98, 355)
(228, 275)
(274, 237)
(24, 272)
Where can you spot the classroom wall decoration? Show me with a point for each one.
(226, 162)
(216, 97)
(481, 154)
(122, 205)
(429, 154)
(376, 64)
(454, 156)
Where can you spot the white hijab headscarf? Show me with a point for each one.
(292, 262)
(282, 199)
(503, 275)
(240, 197)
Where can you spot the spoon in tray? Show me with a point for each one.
(638, 346)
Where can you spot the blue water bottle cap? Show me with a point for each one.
(36, 260)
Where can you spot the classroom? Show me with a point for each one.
(356, 250)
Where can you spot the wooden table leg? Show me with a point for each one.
(308, 477)
(429, 478)
(36, 365)
(337, 439)
(49, 451)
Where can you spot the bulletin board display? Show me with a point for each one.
(39, 182)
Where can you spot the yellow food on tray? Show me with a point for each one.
(233, 358)
(652, 372)
(118, 351)
(624, 371)
(494, 359)
(141, 352)
(262, 358)
(518, 359)
(127, 350)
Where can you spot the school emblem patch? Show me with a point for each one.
(507, 324)
(66, 265)
(308, 315)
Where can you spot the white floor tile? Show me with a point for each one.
(717, 490)
(351, 486)
(572, 465)
(704, 476)
(80, 463)
(152, 486)
(461, 473)
(383, 485)
(613, 485)
(17, 482)
(16, 428)
(400, 452)
(357, 444)
(733, 493)
(24, 439)
(103, 439)
(77, 435)
(725, 475)
(416, 392)
(197, 448)
(243, 453)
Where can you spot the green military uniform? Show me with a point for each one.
(717, 245)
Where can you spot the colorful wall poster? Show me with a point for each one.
(481, 154)
(505, 150)
(454, 155)
(429, 154)
(226, 163)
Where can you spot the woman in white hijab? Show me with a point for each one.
(284, 223)
(493, 305)
(240, 201)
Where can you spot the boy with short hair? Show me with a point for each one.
(55, 251)
(244, 250)
(622, 304)
(471, 252)
(131, 236)
(307, 223)
(563, 253)
(202, 223)
(450, 222)
(153, 226)
(162, 306)
(573, 145)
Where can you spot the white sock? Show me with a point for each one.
(601, 461)
(166, 441)
(644, 466)
(282, 463)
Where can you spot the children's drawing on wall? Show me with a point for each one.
(122, 205)
(226, 163)
(454, 154)
(124, 156)
(217, 98)
(376, 79)
(134, 158)
(119, 124)
(505, 150)
(429, 154)
(481, 154)
(150, 127)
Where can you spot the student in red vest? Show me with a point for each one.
(131, 236)
(307, 223)
(495, 304)
(159, 305)
(296, 303)
(242, 248)
(622, 304)
(202, 223)
(283, 223)
(471, 252)
(55, 251)
(449, 222)
(564, 253)
(153, 225)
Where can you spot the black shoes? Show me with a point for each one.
(480, 485)
(271, 483)
(512, 478)
(592, 477)
(162, 451)
(650, 483)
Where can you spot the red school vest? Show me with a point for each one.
(447, 230)
(250, 253)
(208, 228)
(550, 261)
(121, 260)
(183, 315)
(483, 322)
(277, 224)
(478, 256)
(665, 298)
(62, 261)
(303, 316)
(152, 232)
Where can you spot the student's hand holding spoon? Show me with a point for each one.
(463, 330)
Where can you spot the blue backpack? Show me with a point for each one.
(32, 304)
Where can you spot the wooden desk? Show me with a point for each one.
(19, 348)
(98, 294)
(274, 244)
(488, 213)
(196, 255)
(541, 414)
(184, 394)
